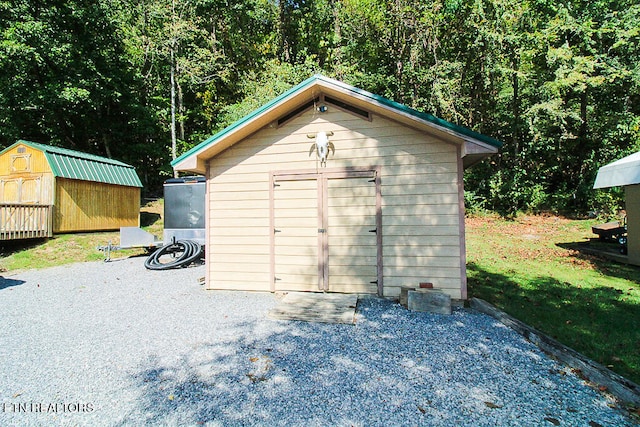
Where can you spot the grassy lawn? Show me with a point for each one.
(529, 268)
(76, 247)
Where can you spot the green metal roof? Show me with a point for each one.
(374, 98)
(73, 164)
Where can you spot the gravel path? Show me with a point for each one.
(114, 344)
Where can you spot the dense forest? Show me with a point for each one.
(144, 80)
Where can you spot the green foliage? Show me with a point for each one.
(558, 83)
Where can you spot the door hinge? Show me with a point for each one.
(375, 230)
(322, 230)
(374, 282)
(277, 231)
(275, 279)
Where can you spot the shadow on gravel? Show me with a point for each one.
(8, 283)
(392, 368)
(587, 319)
(244, 381)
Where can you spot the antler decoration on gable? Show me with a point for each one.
(322, 146)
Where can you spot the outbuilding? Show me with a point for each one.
(46, 189)
(626, 173)
(330, 188)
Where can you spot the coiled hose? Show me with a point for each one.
(190, 252)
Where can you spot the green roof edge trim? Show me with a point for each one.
(377, 98)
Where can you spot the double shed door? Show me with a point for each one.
(326, 232)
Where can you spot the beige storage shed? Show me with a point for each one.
(626, 173)
(329, 188)
(46, 190)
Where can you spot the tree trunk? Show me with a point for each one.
(180, 109)
(173, 111)
(285, 48)
(107, 149)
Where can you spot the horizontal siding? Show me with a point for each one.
(236, 230)
(425, 200)
(433, 250)
(440, 209)
(345, 144)
(299, 155)
(231, 248)
(420, 220)
(256, 240)
(428, 261)
(419, 185)
(242, 258)
(233, 205)
(236, 222)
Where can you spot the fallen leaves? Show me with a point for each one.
(492, 405)
(262, 365)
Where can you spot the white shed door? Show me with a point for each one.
(325, 235)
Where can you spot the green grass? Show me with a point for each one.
(530, 268)
(76, 247)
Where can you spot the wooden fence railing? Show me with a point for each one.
(18, 221)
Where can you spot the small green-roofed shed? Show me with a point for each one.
(85, 192)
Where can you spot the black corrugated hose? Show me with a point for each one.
(190, 252)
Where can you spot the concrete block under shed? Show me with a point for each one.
(404, 292)
(429, 301)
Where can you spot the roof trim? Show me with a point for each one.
(187, 162)
(71, 164)
(625, 171)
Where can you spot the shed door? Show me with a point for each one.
(22, 190)
(296, 235)
(325, 233)
(352, 235)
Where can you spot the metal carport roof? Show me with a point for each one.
(625, 171)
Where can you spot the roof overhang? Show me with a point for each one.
(625, 171)
(474, 146)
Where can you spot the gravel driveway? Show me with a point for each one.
(114, 344)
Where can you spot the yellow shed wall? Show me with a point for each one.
(25, 177)
(93, 206)
(422, 230)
